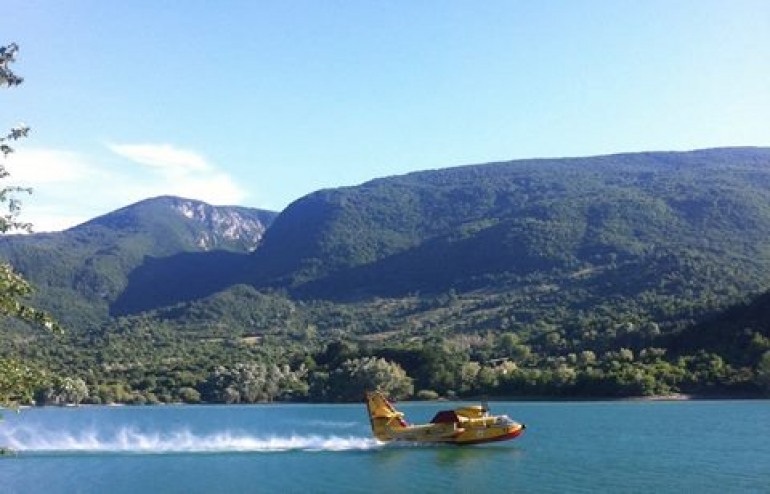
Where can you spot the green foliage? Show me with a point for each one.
(426, 395)
(17, 383)
(17, 380)
(354, 377)
(144, 360)
(8, 220)
(13, 290)
(254, 382)
(7, 57)
(62, 391)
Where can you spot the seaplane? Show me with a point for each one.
(466, 425)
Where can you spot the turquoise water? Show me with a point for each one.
(703, 446)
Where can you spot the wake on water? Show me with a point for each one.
(127, 440)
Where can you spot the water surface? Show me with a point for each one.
(704, 446)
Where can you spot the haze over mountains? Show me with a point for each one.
(680, 229)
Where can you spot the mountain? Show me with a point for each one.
(81, 274)
(621, 275)
(690, 225)
(661, 236)
(175, 224)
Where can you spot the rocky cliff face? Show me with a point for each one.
(175, 223)
(224, 226)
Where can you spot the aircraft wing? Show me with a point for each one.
(429, 432)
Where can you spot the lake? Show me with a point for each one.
(623, 446)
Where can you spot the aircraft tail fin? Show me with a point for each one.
(385, 419)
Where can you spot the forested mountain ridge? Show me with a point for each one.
(665, 233)
(80, 272)
(497, 224)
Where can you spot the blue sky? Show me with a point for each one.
(257, 103)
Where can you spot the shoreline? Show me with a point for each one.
(677, 397)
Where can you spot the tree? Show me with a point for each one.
(254, 382)
(7, 56)
(64, 391)
(350, 381)
(8, 220)
(13, 287)
(8, 78)
(17, 381)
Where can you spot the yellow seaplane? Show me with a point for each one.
(467, 425)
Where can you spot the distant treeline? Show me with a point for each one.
(141, 360)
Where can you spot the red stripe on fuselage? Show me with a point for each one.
(504, 437)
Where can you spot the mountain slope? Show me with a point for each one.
(666, 236)
(81, 272)
(471, 226)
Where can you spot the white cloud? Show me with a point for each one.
(167, 158)
(64, 184)
(181, 172)
(70, 188)
(30, 167)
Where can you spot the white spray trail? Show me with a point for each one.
(128, 440)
